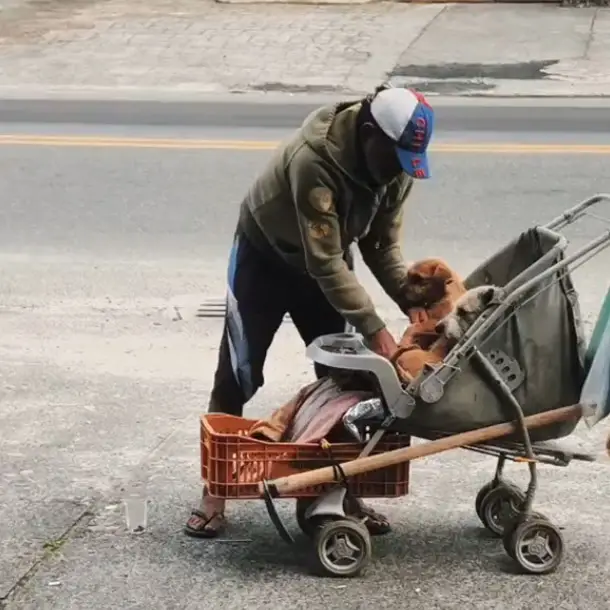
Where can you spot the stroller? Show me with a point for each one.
(502, 391)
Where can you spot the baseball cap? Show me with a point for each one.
(407, 118)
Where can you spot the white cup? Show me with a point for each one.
(136, 513)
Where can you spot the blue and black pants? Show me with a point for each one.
(261, 289)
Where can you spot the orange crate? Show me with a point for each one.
(232, 464)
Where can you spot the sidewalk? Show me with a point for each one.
(198, 46)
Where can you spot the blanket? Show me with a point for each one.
(311, 414)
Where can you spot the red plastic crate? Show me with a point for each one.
(232, 464)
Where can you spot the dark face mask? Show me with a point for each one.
(379, 154)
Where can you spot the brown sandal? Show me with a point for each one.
(204, 529)
(376, 523)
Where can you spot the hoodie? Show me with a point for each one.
(311, 203)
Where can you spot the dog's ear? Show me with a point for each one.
(441, 270)
(493, 294)
(487, 296)
(499, 294)
(414, 276)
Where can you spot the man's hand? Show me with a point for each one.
(383, 343)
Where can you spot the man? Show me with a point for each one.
(341, 178)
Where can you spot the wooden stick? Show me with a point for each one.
(295, 482)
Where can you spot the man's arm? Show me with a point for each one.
(380, 248)
(315, 196)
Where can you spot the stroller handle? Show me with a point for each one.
(575, 213)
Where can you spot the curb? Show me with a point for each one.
(241, 115)
(361, 2)
(27, 95)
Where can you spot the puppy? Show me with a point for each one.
(432, 286)
(467, 309)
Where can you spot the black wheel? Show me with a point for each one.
(510, 529)
(351, 506)
(500, 506)
(308, 526)
(480, 495)
(536, 545)
(343, 548)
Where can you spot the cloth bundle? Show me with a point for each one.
(316, 412)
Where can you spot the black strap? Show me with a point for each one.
(338, 472)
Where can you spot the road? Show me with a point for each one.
(112, 233)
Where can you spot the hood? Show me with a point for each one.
(330, 132)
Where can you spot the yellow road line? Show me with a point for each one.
(246, 145)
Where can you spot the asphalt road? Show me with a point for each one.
(107, 247)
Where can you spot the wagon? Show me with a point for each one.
(510, 388)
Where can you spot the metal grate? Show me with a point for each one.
(217, 308)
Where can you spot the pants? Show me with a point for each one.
(261, 289)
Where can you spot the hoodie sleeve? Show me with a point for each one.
(315, 195)
(380, 248)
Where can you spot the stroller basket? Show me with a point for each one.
(535, 345)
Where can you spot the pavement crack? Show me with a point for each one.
(591, 34)
(425, 29)
(87, 513)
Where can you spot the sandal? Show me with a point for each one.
(376, 523)
(198, 526)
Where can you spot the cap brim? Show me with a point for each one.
(414, 164)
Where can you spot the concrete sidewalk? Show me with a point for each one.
(198, 46)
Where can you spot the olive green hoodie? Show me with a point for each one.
(309, 205)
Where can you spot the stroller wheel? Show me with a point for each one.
(536, 545)
(343, 548)
(511, 527)
(500, 506)
(480, 495)
(308, 526)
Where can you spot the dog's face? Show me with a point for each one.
(427, 282)
(467, 309)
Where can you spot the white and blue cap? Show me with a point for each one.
(407, 118)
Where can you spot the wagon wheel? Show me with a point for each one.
(343, 548)
(536, 545)
(500, 506)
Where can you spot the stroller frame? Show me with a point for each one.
(529, 537)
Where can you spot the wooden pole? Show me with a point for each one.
(295, 482)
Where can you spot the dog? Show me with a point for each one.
(433, 288)
(468, 307)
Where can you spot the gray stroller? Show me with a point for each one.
(509, 388)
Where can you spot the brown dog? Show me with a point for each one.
(432, 287)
